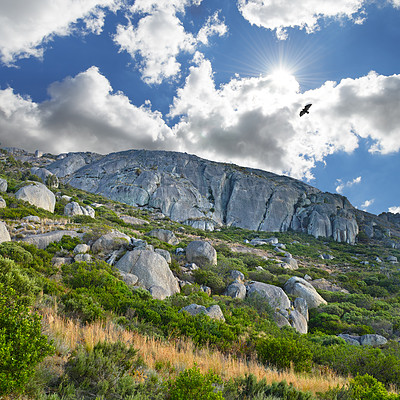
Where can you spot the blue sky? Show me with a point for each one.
(222, 79)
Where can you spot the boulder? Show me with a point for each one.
(74, 208)
(83, 257)
(4, 234)
(201, 253)
(81, 248)
(60, 261)
(133, 220)
(323, 284)
(372, 340)
(290, 263)
(165, 236)
(280, 320)
(46, 176)
(165, 253)
(3, 203)
(213, 312)
(32, 218)
(205, 289)
(158, 292)
(236, 290)
(261, 242)
(129, 279)
(392, 259)
(301, 306)
(38, 195)
(275, 296)
(151, 270)
(298, 321)
(353, 340)
(299, 287)
(3, 185)
(110, 241)
(237, 275)
(41, 241)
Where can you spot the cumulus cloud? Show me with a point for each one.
(82, 114)
(280, 14)
(159, 37)
(25, 26)
(366, 204)
(342, 185)
(255, 121)
(394, 210)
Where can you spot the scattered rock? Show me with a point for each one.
(372, 340)
(164, 253)
(110, 241)
(83, 257)
(350, 339)
(213, 312)
(60, 261)
(237, 275)
(280, 320)
(3, 185)
(298, 321)
(81, 248)
(151, 270)
(46, 176)
(179, 251)
(32, 218)
(261, 242)
(201, 253)
(133, 220)
(38, 195)
(289, 263)
(236, 290)
(299, 287)
(42, 240)
(129, 279)
(3, 203)
(323, 284)
(165, 236)
(326, 256)
(301, 306)
(275, 296)
(4, 234)
(206, 289)
(74, 208)
(392, 259)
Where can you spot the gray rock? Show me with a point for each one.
(206, 289)
(372, 340)
(60, 261)
(3, 185)
(191, 266)
(323, 284)
(350, 339)
(138, 243)
(32, 218)
(74, 208)
(129, 279)
(46, 176)
(301, 306)
(213, 312)
(3, 203)
(133, 220)
(4, 234)
(82, 257)
(38, 195)
(164, 253)
(392, 259)
(298, 322)
(179, 251)
(81, 248)
(291, 263)
(275, 296)
(236, 290)
(165, 236)
(158, 292)
(237, 275)
(327, 256)
(201, 253)
(41, 241)
(260, 242)
(151, 270)
(299, 287)
(281, 320)
(113, 240)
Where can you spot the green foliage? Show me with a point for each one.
(284, 352)
(106, 371)
(191, 384)
(249, 388)
(67, 243)
(22, 346)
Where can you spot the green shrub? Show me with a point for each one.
(191, 384)
(22, 346)
(283, 353)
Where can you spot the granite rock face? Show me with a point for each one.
(207, 194)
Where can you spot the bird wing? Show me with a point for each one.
(306, 108)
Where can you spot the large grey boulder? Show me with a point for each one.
(151, 269)
(213, 312)
(372, 340)
(4, 234)
(323, 284)
(290, 263)
(81, 248)
(38, 195)
(46, 176)
(164, 235)
(237, 275)
(165, 253)
(42, 240)
(236, 290)
(353, 340)
(3, 185)
(301, 306)
(74, 208)
(110, 241)
(298, 322)
(201, 253)
(299, 287)
(275, 296)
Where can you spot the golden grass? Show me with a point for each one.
(177, 355)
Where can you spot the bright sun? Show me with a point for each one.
(281, 75)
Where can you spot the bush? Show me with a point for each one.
(191, 384)
(22, 346)
(283, 353)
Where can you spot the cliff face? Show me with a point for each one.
(207, 194)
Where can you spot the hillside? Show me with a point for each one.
(248, 307)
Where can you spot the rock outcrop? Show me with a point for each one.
(213, 312)
(274, 295)
(110, 241)
(38, 195)
(164, 235)
(4, 234)
(207, 194)
(74, 208)
(299, 287)
(201, 253)
(41, 241)
(3, 185)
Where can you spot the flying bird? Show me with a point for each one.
(305, 110)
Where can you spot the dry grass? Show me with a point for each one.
(175, 356)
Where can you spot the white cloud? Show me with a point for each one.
(83, 114)
(394, 210)
(255, 121)
(160, 37)
(25, 26)
(366, 204)
(280, 14)
(342, 185)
